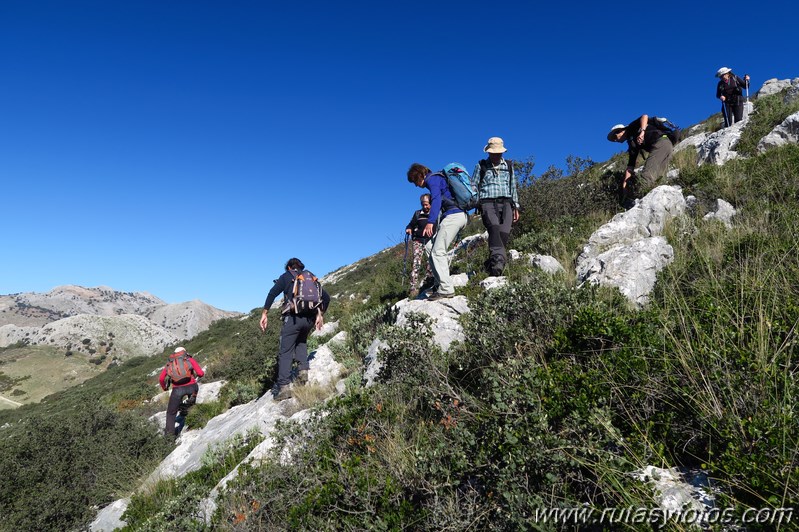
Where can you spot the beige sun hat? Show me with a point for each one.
(495, 145)
(615, 129)
(722, 71)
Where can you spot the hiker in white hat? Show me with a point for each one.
(729, 90)
(641, 135)
(499, 202)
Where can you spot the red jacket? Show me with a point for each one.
(198, 371)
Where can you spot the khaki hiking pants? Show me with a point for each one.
(657, 164)
(447, 232)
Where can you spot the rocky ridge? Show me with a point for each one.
(101, 320)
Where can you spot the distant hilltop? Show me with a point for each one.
(75, 317)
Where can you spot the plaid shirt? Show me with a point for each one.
(496, 183)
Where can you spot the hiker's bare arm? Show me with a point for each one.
(264, 320)
(428, 230)
(627, 174)
(320, 321)
(644, 123)
(515, 215)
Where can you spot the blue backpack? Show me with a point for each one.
(460, 184)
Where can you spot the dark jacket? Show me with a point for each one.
(730, 89)
(417, 224)
(284, 285)
(651, 136)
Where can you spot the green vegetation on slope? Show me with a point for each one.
(554, 398)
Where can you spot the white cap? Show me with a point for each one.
(180, 350)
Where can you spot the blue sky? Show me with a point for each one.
(189, 148)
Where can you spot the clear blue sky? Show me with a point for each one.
(179, 147)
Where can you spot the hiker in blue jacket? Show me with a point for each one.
(450, 220)
(294, 334)
(499, 202)
(729, 90)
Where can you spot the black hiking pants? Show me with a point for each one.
(293, 346)
(175, 399)
(497, 214)
(733, 112)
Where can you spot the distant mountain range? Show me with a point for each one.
(102, 320)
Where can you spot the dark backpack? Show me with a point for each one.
(306, 294)
(672, 131)
(179, 369)
(460, 184)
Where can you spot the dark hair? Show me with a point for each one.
(416, 171)
(295, 264)
(426, 196)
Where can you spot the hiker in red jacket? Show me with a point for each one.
(181, 372)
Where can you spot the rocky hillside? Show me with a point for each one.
(101, 320)
(649, 366)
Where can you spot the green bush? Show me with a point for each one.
(55, 468)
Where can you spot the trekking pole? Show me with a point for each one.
(405, 257)
(724, 112)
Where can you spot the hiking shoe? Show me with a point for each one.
(302, 377)
(428, 283)
(438, 295)
(430, 291)
(284, 393)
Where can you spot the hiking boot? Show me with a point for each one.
(302, 377)
(284, 393)
(428, 283)
(438, 295)
(430, 291)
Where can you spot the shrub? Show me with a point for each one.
(769, 112)
(55, 468)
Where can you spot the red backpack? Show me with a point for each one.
(179, 369)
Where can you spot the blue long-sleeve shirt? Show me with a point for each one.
(441, 198)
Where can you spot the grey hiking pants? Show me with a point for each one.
(497, 214)
(293, 346)
(657, 163)
(175, 398)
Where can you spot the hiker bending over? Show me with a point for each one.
(643, 136)
(301, 312)
(414, 229)
(499, 202)
(450, 220)
(180, 371)
(729, 91)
